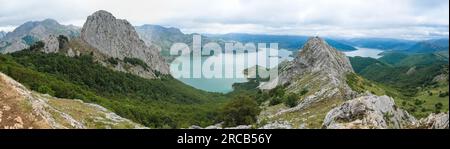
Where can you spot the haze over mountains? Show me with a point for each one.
(122, 68)
(162, 38)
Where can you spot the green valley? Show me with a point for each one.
(155, 103)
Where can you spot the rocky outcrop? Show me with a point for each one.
(219, 126)
(411, 70)
(318, 69)
(117, 38)
(21, 108)
(435, 121)
(277, 125)
(25, 35)
(51, 44)
(370, 112)
(443, 77)
(316, 56)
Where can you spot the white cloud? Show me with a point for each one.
(383, 18)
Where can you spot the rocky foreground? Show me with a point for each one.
(21, 108)
(379, 112)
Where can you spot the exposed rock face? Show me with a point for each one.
(318, 68)
(277, 125)
(435, 121)
(411, 70)
(443, 77)
(30, 32)
(316, 57)
(370, 112)
(219, 126)
(24, 109)
(117, 38)
(51, 44)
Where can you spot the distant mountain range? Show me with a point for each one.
(292, 43)
(410, 46)
(429, 46)
(30, 32)
(163, 37)
(380, 43)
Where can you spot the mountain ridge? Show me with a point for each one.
(30, 32)
(316, 78)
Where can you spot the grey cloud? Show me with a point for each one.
(399, 18)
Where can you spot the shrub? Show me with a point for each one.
(291, 100)
(135, 62)
(438, 107)
(277, 92)
(45, 90)
(241, 110)
(37, 46)
(303, 91)
(63, 41)
(263, 96)
(418, 102)
(113, 61)
(443, 94)
(275, 101)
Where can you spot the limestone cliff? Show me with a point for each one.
(116, 38)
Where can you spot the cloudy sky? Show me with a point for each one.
(406, 19)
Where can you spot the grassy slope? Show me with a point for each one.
(411, 91)
(420, 105)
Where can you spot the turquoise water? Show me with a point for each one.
(224, 85)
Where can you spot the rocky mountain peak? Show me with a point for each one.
(30, 32)
(50, 22)
(316, 59)
(41, 29)
(117, 38)
(318, 73)
(103, 16)
(319, 56)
